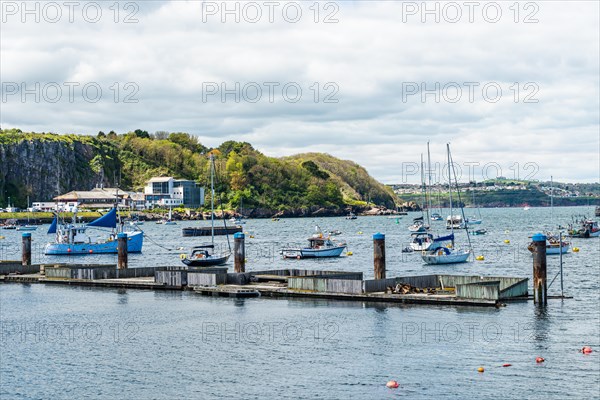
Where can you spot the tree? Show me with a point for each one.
(161, 135)
(142, 134)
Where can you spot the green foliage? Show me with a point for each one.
(242, 173)
(314, 170)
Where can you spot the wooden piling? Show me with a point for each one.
(239, 252)
(122, 250)
(540, 296)
(379, 255)
(26, 253)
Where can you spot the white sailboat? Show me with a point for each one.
(28, 226)
(450, 254)
(554, 244)
(474, 220)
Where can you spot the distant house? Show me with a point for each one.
(99, 198)
(169, 192)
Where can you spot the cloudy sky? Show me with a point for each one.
(514, 87)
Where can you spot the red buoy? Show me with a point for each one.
(91, 251)
(69, 250)
(586, 350)
(507, 365)
(392, 384)
(539, 360)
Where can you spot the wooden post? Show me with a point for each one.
(239, 252)
(379, 255)
(539, 270)
(122, 250)
(26, 259)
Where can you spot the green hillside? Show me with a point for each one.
(43, 165)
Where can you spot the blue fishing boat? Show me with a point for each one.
(72, 239)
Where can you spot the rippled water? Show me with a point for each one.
(70, 342)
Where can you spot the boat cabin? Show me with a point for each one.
(454, 221)
(319, 242)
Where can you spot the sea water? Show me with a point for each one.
(62, 342)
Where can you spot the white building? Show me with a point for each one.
(169, 192)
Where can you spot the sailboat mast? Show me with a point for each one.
(212, 199)
(552, 201)
(450, 193)
(428, 177)
(423, 193)
(462, 210)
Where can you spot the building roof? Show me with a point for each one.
(160, 179)
(77, 195)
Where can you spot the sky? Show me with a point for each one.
(512, 86)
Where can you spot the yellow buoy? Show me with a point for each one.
(348, 253)
(182, 256)
(506, 241)
(480, 369)
(575, 249)
(480, 258)
(251, 236)
(360, 232)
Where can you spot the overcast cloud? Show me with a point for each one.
(368, 68)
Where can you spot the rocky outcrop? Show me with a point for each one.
(45, 169)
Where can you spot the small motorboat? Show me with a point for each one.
(454, 222)
(26, 228)
(334, 232)
(418, 226)
(588, 229)
(553, 245)
(421, 241)
(351, 216)
(319, 246)
(436, 217)
(479, 232)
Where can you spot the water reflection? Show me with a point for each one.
(541, 324)
(122, 297)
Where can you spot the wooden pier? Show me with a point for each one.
(274, 285)
(438, 289)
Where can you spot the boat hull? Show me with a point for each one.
(210, 261)
(313, 253)
(27, 228)
(557, 250)
(453, 258)
(134, 245)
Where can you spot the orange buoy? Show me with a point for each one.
(392, 384)
(298, 257)
(507, 365)
(586, 350)
(540, 360)
(480, 370)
